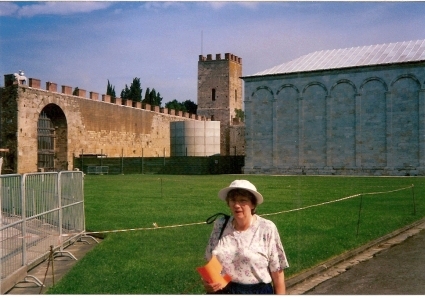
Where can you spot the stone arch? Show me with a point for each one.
(287, 86)
(406, 76)
(262, 88)
(344, 81)
(52, 139)
(371, 79)
(311, 84)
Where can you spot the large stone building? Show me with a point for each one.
(349, 111)
(219, 95)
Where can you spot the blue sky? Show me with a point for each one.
(85, 44)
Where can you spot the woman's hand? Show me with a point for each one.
(211, 287)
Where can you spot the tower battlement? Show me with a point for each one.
(227, 56)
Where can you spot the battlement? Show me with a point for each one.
(68, 90)
(227, 56)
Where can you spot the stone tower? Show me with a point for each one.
(220, 93)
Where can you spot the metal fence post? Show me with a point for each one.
(24, 224)
(122, 161)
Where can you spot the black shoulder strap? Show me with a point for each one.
(212, 218)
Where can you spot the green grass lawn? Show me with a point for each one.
(163, 261)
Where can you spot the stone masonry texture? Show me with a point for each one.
(359, 121)
(221, 78)
(82, 125)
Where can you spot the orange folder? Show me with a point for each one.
(211, 272)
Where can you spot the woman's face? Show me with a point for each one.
(240, 206)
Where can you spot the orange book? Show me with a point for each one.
(211, 272)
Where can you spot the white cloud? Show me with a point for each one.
(61, 8)
(216, 4)
(156, 5)
(8, 8)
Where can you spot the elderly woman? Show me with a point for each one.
(249, 248)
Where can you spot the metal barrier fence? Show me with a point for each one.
(100, 170)
(39, 212)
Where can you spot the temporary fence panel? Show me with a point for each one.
(40, 212)
(71, 206)
(11, 225)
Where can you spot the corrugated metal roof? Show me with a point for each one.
(400, 52)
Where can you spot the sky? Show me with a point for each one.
(84, 44)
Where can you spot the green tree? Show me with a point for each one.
(175, 105)
(110, 90)
(153, 97)
(133, 93)
(240, 114)
(75, 92)
(136, 90)
(125, 93)
(191, 107)
(147, 98)
(157, 99)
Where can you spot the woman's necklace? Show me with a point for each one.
(250, 224)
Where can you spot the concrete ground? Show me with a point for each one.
(393, 264)
(399, 270)
(61, 264)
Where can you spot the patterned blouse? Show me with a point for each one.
(248, 256)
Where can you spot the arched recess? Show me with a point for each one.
(313, 126)
(342, 121)
(52, 136)
(287, 126)
(372, 119)
(404, 127)
(260, 123)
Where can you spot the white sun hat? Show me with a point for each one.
(243, 184)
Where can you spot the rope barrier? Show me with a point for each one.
(155, 225)
(154, 228)
(267, 214)
(337, 200)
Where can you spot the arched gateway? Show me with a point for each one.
(52, 139)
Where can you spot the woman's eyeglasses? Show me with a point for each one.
(239, 201)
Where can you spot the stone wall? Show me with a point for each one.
(237, 140)
(360, 121)
(83, 125)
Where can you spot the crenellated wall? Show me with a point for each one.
(88, 125)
